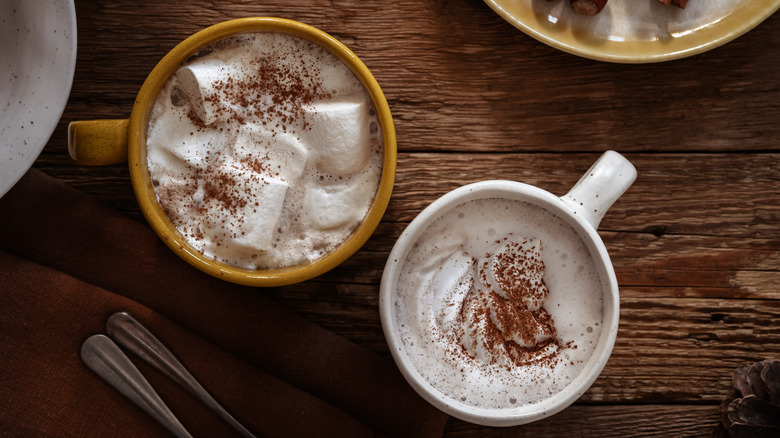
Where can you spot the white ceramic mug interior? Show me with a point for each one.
(582, 208)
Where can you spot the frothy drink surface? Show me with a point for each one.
(499, 304)
(264, 150)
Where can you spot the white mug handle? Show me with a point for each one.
(609, 177)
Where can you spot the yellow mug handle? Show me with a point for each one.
(98, 142)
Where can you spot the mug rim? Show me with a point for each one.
(144, 191)
(556, 206)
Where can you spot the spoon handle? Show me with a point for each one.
(101, 355)
(128, 332)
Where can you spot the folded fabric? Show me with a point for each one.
(67, 263)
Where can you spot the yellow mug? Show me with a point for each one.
(102, 142)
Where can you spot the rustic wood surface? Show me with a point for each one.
(695, 241)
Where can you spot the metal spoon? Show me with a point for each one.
(102, 356)
(129, 333)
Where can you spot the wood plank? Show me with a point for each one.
(703, 194)
(460, 78)
(694, 266)
(662, 342)
(607, 421)
(662, 243)
(668, 270)
(708, 194)
(654, 238)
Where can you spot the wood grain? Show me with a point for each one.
(601, 421)
(695, 241)
(459, 78)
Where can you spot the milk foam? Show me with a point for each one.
(441, 275)
(264, 150)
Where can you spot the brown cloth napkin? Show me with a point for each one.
(67, 263)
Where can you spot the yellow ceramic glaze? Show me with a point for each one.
(136, 154)
(531, 17)
(98, 142)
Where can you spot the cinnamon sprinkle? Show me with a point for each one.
(266, 89)
(502, 319)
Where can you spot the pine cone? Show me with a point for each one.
(752, 409)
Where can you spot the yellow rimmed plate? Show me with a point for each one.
(636, 31)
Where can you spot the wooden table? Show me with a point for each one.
(695, 241)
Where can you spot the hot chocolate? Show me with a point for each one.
(498, 304)
(264, 151)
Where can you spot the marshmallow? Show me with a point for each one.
(282, 154)
(176, 148)
(330, 209)
(206, 80)
(338, 132)
(334, 206)
(254, 205)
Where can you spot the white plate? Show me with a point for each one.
(636, 31)
(37, 61)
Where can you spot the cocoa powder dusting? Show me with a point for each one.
(512, 323)
(226, 191)
(267, 89)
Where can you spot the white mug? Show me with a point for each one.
(582, 208)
